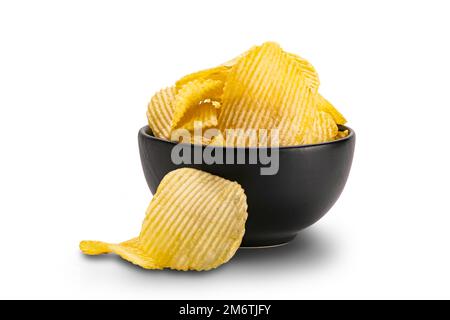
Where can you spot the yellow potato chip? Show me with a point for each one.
(324, 129)
(266, 89)
(195, 221)
(324, 105)
(233, 61)
(197, 100)
(160, 112)
(263, 88)
(217, 73)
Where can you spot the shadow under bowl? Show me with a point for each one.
(309, 180)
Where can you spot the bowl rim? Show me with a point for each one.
(144, 131)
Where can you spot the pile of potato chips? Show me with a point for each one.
(195, 221)
(264, 88)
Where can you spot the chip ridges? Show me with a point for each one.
(324, 129)
(160, 112)
(195, 221)
(263, 88)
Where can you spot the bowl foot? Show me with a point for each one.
(265, 244)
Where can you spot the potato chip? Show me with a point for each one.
(324, 105)
(160, 112)
(217, 73)
(266, 89)
(263, 88)
(195, 221)
(197, 100)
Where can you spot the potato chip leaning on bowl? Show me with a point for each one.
(160, 112)
(195, 221)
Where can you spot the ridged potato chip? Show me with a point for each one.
(195, 221)
(160, 112)
(266, 89)
(197, 100)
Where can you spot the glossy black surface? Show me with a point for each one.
(309, 181)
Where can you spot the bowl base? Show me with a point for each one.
(267, 243)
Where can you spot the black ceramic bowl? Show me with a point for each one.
(309, 180)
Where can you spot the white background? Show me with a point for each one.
(75, 79)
